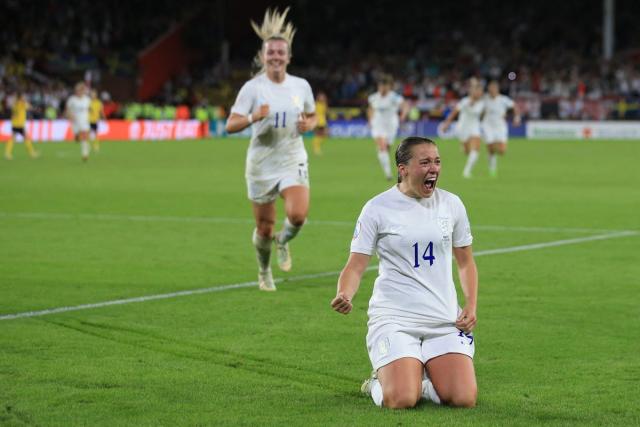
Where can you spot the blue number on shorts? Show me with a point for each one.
(469, 336)
(284, 119)
(430, 257)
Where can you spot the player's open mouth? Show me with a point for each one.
(430, 183)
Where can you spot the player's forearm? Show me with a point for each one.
(237, 123)
(313, 121)
(349, 282)
(451, 117)
(469, 282)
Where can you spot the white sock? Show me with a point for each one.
(263, 250)
(493, 162)
(85, 148)
(383, 157)
(429, 392)
(289, 231)
(471, 160)
(376, 392)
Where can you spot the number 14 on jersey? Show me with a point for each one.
(427, 255)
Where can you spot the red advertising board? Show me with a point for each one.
(113, 130)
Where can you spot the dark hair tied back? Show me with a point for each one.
(403, 152)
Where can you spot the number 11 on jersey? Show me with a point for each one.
(284, 120)
(427, 255)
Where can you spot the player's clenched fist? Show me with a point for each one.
(341, 304)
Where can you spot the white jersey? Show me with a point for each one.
(78, 106)
(469, 112)
(276, 144)
(413, 239)
(496, 109)
(385, 109)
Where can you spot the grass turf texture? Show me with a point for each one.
(555, 341)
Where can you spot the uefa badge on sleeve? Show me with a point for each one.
(356, 232)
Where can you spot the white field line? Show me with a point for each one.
(297, 278)
(227, 220)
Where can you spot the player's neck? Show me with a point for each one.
(277, 77)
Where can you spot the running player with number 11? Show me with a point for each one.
(279, 108)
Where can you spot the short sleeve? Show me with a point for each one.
(461, 227)
(508, 102)
(463, 103)
(245, 100)
(309, 102)
(365, 235)
(399, 100)
(371, 100)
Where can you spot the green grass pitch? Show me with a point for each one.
(557, 338)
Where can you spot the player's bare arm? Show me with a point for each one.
(517, 119)
(238, 122)
(349, 282)
(451, 117)
(404, 111)
(468, 274)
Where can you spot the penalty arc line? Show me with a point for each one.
(221, 288)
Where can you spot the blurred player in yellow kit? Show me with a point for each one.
(18, 127)
(96, 113)
(322, 129)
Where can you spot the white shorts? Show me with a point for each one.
(264, 191)
(387, 132)
(495, 133)
(80, 127)
(468, 131)
(390, 342)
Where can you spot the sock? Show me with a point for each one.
(317, 143)
(85, 149)
(376, 392)
(471, 160)
(493, 162)
(429, 392)
(95, 143)
(289, 231)
(29, 146)
(383, 157)
(263, 250)
(8, 149)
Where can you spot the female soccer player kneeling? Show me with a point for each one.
(419, 340)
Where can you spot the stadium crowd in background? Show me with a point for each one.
(547, 78)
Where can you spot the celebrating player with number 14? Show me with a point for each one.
(279, 108)
(419, 340)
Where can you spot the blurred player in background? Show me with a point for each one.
(322, 129)
(419, 341)
(384, 107)
(96, 113)
(279, 108)
(494, 124)
(19, 111)
(77, 111)
(470, 109)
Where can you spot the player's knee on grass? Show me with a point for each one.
(461, 397)
(401, 397)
